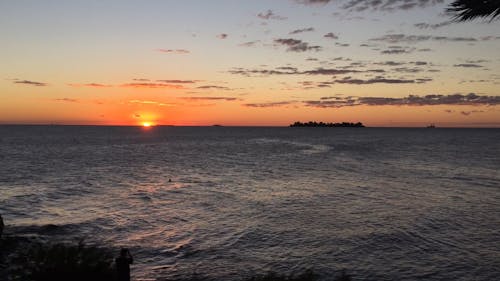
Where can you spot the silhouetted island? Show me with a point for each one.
(322, 124)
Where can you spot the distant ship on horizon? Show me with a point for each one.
(431, 126)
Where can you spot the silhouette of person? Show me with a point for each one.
(123, 263)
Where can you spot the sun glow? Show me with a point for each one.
(147, 124)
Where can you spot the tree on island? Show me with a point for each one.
(322, 124)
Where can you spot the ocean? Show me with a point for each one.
(226, 203)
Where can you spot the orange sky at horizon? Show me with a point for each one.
(264, 64)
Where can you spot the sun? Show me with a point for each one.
(147, 124)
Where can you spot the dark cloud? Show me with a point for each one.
(152, 85)
(222, 36)
(213, 87)
(489, 38)
(390, 63)
(31, 83)
(397, 50)
(476, 61)
(331, 103)
(67, 100)
(270, 15)
(342, 44)
(387, 5)
(408, 69)
(295, 45)
(331, 35)
(377, 80)
(210, 98)
(288, 68)
(411, 100)
(402, 38)
(172, 51)
(293, 71)
(297, 31)
(313, 2)
(249, 44)
(468, 65)
(177, 81)
(93, 85)
(328, 71)
(265, 72)
(141, 79)
(269, 104)
(423, 25)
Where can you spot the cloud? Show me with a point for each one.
(265, 72)
(213, 87)
(476, 61)
(249, 44)
(331, 103)
(328, 71)
(222, 36)
(67, 100)
(390, 63)
(270, 15)
(411, 100)
(423, 25)
(269, 104)
(408, 69)
(402, 38)
(489, 38)
(468, 65)
(397, 50)
(31, 83)
(92, 85)
(177, 81)
(342, 44)
(313, 2)
(172, 51)
(331, 35)
(148, 102)
(294, 45)
(297, 31)
(378, 80)
(152, 85)
(387, 5)
(210, 98)
(291, 71)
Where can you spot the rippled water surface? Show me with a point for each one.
(386, 204)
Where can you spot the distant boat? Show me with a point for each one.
(431, 126)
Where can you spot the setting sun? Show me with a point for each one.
(147, 124)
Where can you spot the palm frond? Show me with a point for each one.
(464, 10)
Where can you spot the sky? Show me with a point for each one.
(393, 63)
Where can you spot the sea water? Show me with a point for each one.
(225, 203)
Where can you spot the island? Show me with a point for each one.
(322, 124)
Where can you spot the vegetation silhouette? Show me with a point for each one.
(30, 259)
(23, 259)
(322, 124)
(464, 10)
